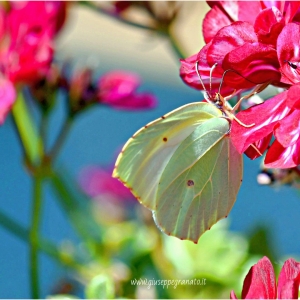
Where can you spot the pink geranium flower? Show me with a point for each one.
(96, 181)
(260, 282)
(26, 42)
(243, 39)
(278, 116)
(260, 42)
(118, 89)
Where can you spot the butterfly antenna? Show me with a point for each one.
(197, 71)
(210, 76)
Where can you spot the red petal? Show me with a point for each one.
(265, 116)
(188, 73)
(288, 281)
(261, 145)
(223, 13)
(287, 130)
(288, 51)
(248, 10)
(232, 295)
(293, 99)
(228, 39)
(7, 98)
(268, 25)
(290, 11)
(281, 157)
(190, 77)
(260, 281)
(256, 62)
(214, 20)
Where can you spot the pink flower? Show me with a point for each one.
(97, 181)
(278, 116)
(244, 39)
(260, 282)
(26, 41)
(118, 89)
(260, 42)
(7, 98)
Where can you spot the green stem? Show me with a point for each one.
(78, 211)
(34, 236)
(65, 129)
(43, 129)
(115, 16)
(26, 130)
(175, 45)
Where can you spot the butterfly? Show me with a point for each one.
(184, 167)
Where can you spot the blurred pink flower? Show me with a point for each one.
(7, 98)
(118, 89)
(260, 282)
(97, 181)
(26, 41)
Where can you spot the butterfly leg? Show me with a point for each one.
(257, 90)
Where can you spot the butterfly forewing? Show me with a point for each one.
(200, 182)
(145, 156)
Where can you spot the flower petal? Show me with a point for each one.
(280, 157)
(287, 130)
(7, 98)
(232, 295)
(228, 39)
(260, 281)
(265, 116)
(133, 102)
(213, 21)
(288, 48)
(289, 279)
(97, 181)
(268, 25)
(115, 85)
(256, 62)
(293, 98)
(261, 145)
(190, 77)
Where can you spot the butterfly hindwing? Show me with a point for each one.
(200, 183)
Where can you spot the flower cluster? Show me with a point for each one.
(259, 41)
(117, 89)
(26, 44)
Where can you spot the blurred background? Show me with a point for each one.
(264, 220)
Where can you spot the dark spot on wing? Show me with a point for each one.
(165, 139)
(163, 117)
(190, 182)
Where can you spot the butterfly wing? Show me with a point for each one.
(200, 182)
(144, 157)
